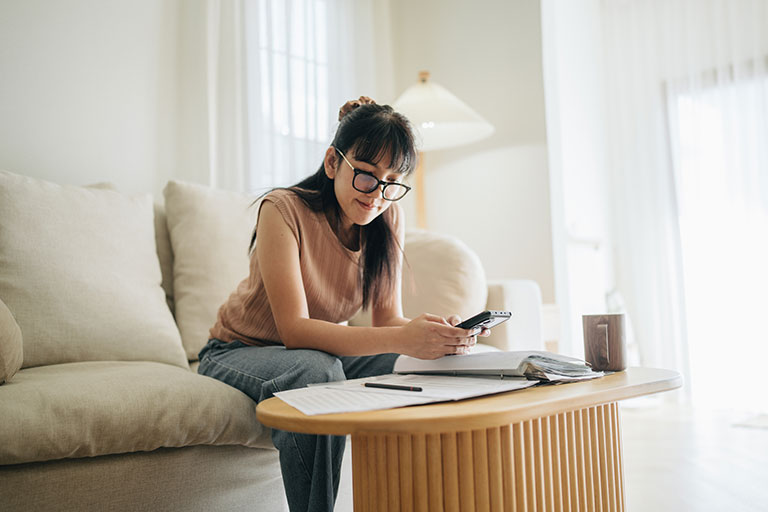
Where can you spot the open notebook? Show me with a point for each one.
(532, 364)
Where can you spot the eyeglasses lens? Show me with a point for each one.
(394, 192)
(365, 183)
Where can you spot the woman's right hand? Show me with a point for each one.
(431, 336)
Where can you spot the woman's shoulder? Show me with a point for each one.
(292, 206)
(288, 198)
(281, 195)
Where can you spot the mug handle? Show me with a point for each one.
(607, 347)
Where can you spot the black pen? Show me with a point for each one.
(391, 386)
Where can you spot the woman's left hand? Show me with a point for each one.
(456, 319)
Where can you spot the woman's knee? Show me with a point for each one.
(306, 367)
(316, 366)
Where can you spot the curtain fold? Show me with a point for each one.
(687, 91)
(226, 95)
(645, 226)
(275, 74)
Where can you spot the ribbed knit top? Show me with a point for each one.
(329, 271)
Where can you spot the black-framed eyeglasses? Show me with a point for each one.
(366, 182)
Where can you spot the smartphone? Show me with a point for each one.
(486, 319)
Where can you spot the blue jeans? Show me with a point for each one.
(310, 464)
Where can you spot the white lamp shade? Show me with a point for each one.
(440, 119)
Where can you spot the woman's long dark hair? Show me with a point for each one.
(372, 132)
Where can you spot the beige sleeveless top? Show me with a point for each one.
(329, 270)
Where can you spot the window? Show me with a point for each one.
(288, 94)
(720, 157)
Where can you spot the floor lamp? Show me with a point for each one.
(441, 120)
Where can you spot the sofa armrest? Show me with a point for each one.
(523, 298)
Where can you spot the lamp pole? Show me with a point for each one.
(441, 120)
(421, 203)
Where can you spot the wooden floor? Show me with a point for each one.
(680, 459)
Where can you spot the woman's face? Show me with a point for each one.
(358, 207)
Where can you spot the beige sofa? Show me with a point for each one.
(110, 298)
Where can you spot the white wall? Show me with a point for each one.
(88, 91)
(102, 91)
(493, 194)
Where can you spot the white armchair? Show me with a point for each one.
(523, 330)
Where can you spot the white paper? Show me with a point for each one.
(321, 400)
(353, 396)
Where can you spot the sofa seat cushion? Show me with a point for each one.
(98, 408)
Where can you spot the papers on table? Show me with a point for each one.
(444, 379)
(353, 396)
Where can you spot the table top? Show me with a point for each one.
(475, 413)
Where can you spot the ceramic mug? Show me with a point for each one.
(605, 343)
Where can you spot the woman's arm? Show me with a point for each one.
(426, 337)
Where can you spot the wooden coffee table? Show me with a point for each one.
(544, 448)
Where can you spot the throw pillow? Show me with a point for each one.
(210, 231)
(10, 344)
(164, 253)
(79, 270)
(163, 244)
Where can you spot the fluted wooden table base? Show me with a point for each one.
(566, 461)
(558, 447)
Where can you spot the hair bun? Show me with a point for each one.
(353, 104)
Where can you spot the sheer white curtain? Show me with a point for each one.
(276, 73)
(688, 137)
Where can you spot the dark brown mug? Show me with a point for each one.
(605, 344)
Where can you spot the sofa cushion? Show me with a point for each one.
(99, 408)
(11, 349)
(210, 231)
(164, 253)
(441, 275)
(78, 269)
(162, 242)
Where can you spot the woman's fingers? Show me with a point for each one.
(450, 331)
(441, 336)
(434, 318)
(461, 345)
(459, 349)
(454, 320)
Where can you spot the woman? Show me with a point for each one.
(321, 250)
